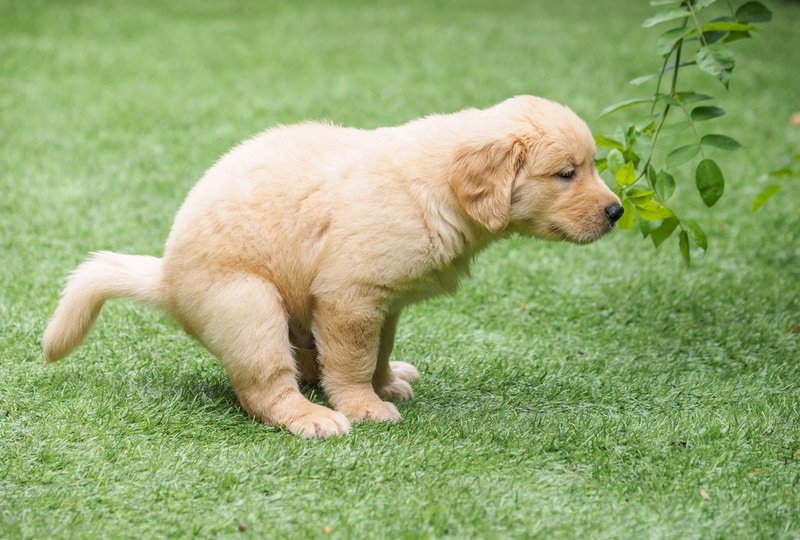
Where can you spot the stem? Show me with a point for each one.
(674, 86)
(672, 91)
(694, 129)
(697, 25)
(660, 78)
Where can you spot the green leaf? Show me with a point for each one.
(765, 196)
(643, 79)
(631, 134)
(615, 161)
(713, 37)
(696, 232)
(665, 16)
(653, 210)
(642, 146)
(684, 246)
(628, 219)
(670, 38)
(639, 196)
(623, 105)
(753, 12)
(710, 182)
(674, 129)
(648, 125)
(682, 155)
(691, 97)
(706, 112)
(727, 26)
(720, 141)
(781, 173)
(701, 4)
(656, 3)
(601, 164)
(606, 142)
(668, 99)
(646, 227)
(735, 36)
(626, 175)
(665, 185)
(716, 59)
(664, 231)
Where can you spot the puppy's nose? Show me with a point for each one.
(614, 212)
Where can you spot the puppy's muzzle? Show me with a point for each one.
(614, 212)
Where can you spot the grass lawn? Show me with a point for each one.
(595, 392)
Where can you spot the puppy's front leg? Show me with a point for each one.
(391, 379)
(347, 332)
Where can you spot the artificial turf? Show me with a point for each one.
(601, 391)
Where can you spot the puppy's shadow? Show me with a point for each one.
(212, 390)
(157, 394)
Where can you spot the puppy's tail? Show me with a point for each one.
(105, 275)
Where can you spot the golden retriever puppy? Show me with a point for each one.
(292, 258)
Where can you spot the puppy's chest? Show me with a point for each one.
(434, 283)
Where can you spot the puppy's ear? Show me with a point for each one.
(482, 177)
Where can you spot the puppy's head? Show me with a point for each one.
(534, 172)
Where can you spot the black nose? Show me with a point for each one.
(614, 212)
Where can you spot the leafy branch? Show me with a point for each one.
(645, 191)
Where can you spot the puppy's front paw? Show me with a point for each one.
(404, 371)
(370, 409)
(317, 422)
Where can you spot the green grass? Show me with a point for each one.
(597, 392)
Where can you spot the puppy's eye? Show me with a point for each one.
(567, 174)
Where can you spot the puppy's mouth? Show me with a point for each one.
(580, 235)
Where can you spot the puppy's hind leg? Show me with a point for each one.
(245, 324)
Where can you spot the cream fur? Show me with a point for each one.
(292, 258)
